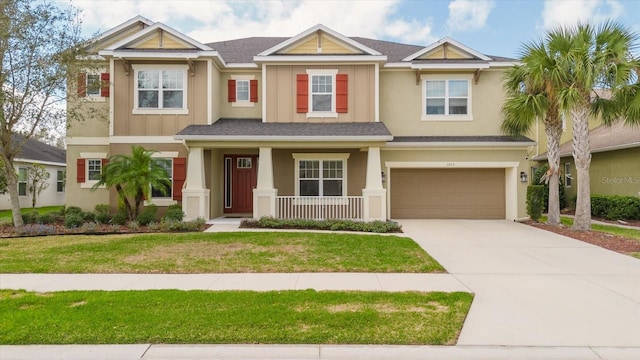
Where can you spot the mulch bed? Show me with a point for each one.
(616, 243)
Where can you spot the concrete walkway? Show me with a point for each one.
(538, 296)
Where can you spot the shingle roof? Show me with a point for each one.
(605, 138)
(463, 139)
(38, 151)
(249, 128)
(243, 50)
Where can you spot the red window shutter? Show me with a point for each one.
(231, 85)
(104, 162)
(342, 100)
(82, 84)
(253, 90)
(81, 167)
(302, 92)
(104, 84)
(179, 176)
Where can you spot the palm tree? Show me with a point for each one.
(532, 94)
(594, 58)
(133, 176)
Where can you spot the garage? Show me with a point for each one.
(447, 193)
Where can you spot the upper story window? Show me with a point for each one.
(446, 98)
(242, 90)
(322, 93)
(160, 89)
(93, 86)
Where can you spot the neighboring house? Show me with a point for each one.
(318, 125)
(54, 161)
(615, 161)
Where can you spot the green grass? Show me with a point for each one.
(231, 317)
(237, 252)
(609, 229)
(6, 214)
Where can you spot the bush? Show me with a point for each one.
(133, 226)
(72, 210)
(46, 219)
(535, 201)
(536, 181)
(174, 212)
(35, 230)
(88, 216)
(615, 207)
(101, 208)
(102, 214)
(119, 219)
(148, 215)
(73, 220)
(31, 217)
(335, 225)
(89, 227)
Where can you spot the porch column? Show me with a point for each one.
(374, 195)
(264, 195)
(195, 196)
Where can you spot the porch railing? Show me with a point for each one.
(319, 208)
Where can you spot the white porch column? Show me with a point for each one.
(195, 195)
(264, 195)
(374, 195)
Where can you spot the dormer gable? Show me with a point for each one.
(319, 41)
(158, 37)
(120, 32)
(447, 49)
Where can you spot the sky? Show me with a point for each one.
(492, 27)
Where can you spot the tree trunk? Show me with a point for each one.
(553, 132)
(582, 158)
(12, 186)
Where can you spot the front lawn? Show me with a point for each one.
(231, 317)
(236, 252)
(5, 215)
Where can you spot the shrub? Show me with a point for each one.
(147, 216)
(88, 216)
(46, 219)
(174, 212)
(119, 219)
(102, 214)
(133, 226)
(615, 207)
(335, 225)
(35, 230)
(72, 210)
(73, 220)
(102, 208)
(31, 217)
(89, 227)
(535, 201)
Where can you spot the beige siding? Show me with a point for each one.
(284, 165)
(281, 93)
(401, 106)
(449, 53)
(161, 40)
(118, 37)
(75, 194)
(228, 109)
(330, 46)
(309, 46)
(128, 124)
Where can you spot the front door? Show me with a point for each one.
(241, 178)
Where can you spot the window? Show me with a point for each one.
(22, 181)
(93, 85)
(94, 169)
(568, 179)
(322, 93)
(167, 165)
(321, 174)
(60, 179)
(446, 99)
(160, 89)
(242, 90)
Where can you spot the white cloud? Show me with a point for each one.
(208, 21)
(468, 14)
(558, 13)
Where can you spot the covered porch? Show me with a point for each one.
(285, 170)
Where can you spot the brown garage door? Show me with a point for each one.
(447, 194)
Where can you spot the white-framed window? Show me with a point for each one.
(242, 90)
(160, 89)
(167, 165)
(60, 180)
(94, 85)
(322, 93)
(320, 175)
(94, 169)
(568, 178)
(446, 98)
(22, 181)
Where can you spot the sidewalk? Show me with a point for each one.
(312, 352)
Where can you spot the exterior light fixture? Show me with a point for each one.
(523, 177)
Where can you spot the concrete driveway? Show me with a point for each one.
(533, 287)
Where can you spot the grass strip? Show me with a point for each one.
(5, 215)
(231, 317)
(235, 252)
(609, 229)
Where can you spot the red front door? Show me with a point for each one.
(243, 179)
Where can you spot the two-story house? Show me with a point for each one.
(318, 125)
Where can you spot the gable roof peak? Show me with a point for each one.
(155, 27)
(447, 40)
